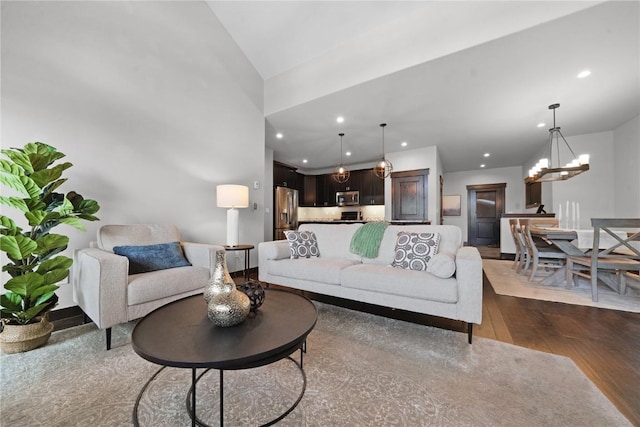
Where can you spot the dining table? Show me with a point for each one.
(573, 242)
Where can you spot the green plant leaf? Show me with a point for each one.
(18, 247)
(44, 176)
(49, 188)
(20, 159)
(13, 182)
(51, 242)
(43, 293)
(11, 301)
(55, 263)
(9, 226)
(14, 202)
(9, 168)
(25, 284)
(37, 217)
(34, 311)
(74, 222)
(41, 155)
(88, 207)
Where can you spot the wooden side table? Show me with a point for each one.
(246, 249)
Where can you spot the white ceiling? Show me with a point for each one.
(484, 98)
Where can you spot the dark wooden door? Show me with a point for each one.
(485, 208)
(409, 195)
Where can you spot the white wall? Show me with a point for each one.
(626, 145)
(152, 102)
(593, 190)
(456, 183)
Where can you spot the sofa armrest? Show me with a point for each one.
(269, 251)
(201, 254)
(278, 249)
(100, 286)
(469, 278)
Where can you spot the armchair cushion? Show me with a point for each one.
(147, 258)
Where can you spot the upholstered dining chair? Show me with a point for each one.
(611, 263)
(134, 269)
(542, 254)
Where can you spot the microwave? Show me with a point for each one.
(348, 198)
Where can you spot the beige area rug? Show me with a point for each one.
(361, 369)
(505, 281)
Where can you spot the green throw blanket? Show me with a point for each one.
(366, 240)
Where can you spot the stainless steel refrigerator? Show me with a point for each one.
(286, 211)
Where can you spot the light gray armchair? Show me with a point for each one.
(110, 294)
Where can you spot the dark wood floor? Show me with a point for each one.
(604, 344)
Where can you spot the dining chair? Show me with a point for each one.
(542, 254)
(513, 226)
(610, 264)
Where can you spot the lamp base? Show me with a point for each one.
(233, 227)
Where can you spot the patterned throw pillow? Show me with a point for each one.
(414, 250)
(302, 244)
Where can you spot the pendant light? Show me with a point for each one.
(548, 169)
(341, 174)
(384, 167)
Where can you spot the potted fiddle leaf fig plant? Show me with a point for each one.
(35, 265)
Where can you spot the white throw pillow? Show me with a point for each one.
(414, 250)
(302, 244)
(442, 265)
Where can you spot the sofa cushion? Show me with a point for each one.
(442, 264)
(334, 240)
(315, 269)
(145, 258)
(302, 244)
(160, 284)
(414, 250)
(397, 281)
(136, 234)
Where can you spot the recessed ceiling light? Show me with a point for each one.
(487, 154)
(304, 160)
(279, 135)
(482, 166)
(583, 74)
(540, 125)
(348, 153)
(404, 143)
(340, 119)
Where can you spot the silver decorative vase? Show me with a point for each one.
(219, 277)
(226, 306)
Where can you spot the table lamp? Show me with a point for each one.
(232, 197)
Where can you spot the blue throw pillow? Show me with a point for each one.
(153, 257)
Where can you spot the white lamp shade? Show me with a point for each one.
(232, 196)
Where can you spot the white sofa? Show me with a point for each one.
(340, 273)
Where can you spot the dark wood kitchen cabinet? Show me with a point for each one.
(312, 191)
(286, 176)
(371, 188)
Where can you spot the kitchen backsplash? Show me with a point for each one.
(369, 213)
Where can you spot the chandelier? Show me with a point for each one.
(341, 174)
(549, 170)
(384, 167)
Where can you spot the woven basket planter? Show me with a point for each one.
(20, 338)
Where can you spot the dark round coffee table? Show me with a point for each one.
(180, 335)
